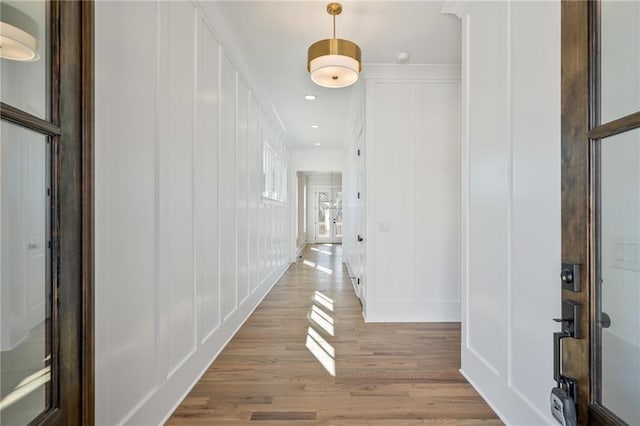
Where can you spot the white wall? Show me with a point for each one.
(318, 160)
(185, 248)
(511, 202)
(412, 192)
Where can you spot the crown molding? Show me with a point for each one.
(221, 25)
(430, 72)
(460, 8)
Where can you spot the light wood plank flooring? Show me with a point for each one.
(306, 356)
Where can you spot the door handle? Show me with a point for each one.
(570, 328)
(570, 319)
(360, 239)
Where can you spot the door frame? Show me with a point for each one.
(72, 225)
(580, 133)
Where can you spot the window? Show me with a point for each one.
(274, 174)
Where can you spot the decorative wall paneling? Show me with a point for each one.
(185, 247)
(510, 202)
(412, 188)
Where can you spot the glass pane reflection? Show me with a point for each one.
(25, 83)
(620, 270)
(323, 215)
(620, 59)
(25, 286)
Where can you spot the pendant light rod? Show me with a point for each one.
(334, 26)
(334, 9)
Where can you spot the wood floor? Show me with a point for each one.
(306, 356)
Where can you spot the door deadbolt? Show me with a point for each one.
(570, 276)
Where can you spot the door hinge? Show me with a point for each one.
(358, 195)
(48, 192)
(358, 281)
(358, 153)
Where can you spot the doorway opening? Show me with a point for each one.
(319, 209)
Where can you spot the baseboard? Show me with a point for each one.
(426, 311)
(354, 283)
(505, 400)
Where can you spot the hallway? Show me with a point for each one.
(305, 356)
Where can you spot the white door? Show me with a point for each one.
(328, 215)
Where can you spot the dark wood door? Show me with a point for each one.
(46, 118)
(601, 205)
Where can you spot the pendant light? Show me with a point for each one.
(334, 62)
(17, 35)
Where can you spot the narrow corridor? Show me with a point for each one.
(305, 356)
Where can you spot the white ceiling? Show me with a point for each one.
(275, 37)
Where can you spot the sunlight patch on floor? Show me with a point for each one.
(321, 322)
(325, 270)
(323, 358)
(322, 313)
(323, 300)
(319, 347)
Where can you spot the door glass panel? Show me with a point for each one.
(337, 214)
(619, 290)
(619, 59)
(25, 284)
(24, 67)
(324, 213)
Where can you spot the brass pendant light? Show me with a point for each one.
(334, 62)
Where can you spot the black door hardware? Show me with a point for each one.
(570, 276)
(564, 395)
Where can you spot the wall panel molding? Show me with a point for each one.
(510, 169)
(173, 258)
(412, 235)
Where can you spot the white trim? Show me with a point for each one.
(436, 72)
(220, 21)
(460, 8)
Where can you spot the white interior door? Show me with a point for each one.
(328, 215)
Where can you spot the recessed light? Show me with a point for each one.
(315, 126)
(310, 97)
(317, 144)
(403, 57)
